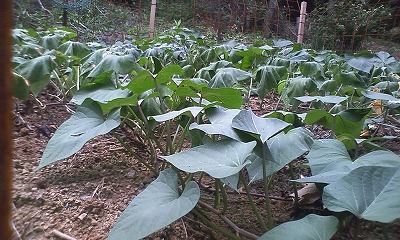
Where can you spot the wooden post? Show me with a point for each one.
(65, 18)
(303, 13)
(152, 18)
(5, 119)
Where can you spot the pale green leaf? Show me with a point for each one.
(247, 121)
(369, 192)
(156, 207)
(87, 123)
(219, 159)
(311, 227)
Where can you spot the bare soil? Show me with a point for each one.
(83, 195)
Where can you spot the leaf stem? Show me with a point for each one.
(229, 222)
(251, 201)
(266, 188)
(140, 159)
(217, 228)
(294, 186)
(224, 196)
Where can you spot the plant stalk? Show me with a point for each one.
(214, 226)
(140, 159)
(294, 187)
(252, 205)
(266, 189)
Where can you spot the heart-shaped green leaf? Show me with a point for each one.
(219, 159)
(221, 122)
(376, 95)
(119, 64)
(37, 72)
(283, 148)
(225, 97)
(247, 121)
(102, 94)
(327, 155)
(194, 111)
(325, 99)
(369, 192)
(156, 207)
(87, 123)
(74, 49)
(228, 77)
(311, 227)
(268, 78)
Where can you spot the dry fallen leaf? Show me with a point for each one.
(308, 194)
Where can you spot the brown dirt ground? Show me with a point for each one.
(83, 195)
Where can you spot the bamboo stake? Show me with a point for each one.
(303, 13)
(152, 18)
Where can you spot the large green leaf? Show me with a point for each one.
(166, 73)
(327, 155)
(369, 192)
(51, 42)
(350, 79)
(74, 49)
(311, 227)
(364, 64)
(87, 123)
(220, 122)
(349, 121)
(297, 87)
(228, 77)
(20, 87)
(219, 159)
(156, 207)
(309, 69)
(119, 64)
(194, 111)
(325, 99)
(37, 72)
(268, 78)
(225, 97)
(376, 95)
(247, 121)
(388, 61)
(283, 148)
(102, 94)
(329, 161)
(142, 82)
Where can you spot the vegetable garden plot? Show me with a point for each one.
(180, 89)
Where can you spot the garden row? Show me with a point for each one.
(181, 88)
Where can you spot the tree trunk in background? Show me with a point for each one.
(271, 15)
(5, 119)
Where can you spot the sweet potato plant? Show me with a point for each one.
(186, 97)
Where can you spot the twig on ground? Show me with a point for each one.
(44, 9)
(184, 229)
(16, 233)
(229, 222)
(101, 184)
(62, 235)
(211, 189)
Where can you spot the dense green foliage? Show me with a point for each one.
(346, 24)
(181, 88)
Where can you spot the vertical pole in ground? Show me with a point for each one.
(5, 119)
(302, 22)
(139, 19)
(152, 18)
(65, 18)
